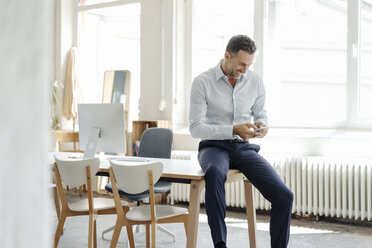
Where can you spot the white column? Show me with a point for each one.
(26, 41)
(151, 59)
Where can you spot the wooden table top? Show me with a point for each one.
(173, 168)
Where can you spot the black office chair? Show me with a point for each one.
(155, 143)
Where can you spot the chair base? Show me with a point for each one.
(126, 241)
(159, 227)
(166, 231)
(107, 231)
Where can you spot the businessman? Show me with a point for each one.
(223, 103)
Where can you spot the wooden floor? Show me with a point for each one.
(304, 234)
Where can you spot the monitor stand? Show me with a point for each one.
(90, 148)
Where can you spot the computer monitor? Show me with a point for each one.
(101, 128)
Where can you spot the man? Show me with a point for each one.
(223, 101)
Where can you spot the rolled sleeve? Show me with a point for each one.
(259, 108)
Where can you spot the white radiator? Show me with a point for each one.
(324, 186)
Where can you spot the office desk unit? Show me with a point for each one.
(187, 171)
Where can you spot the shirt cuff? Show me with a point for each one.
(261, 120)
(228, 131)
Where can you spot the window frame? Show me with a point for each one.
(354, 66)
(80, 8)
(353, 119)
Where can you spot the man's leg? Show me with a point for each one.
(215, 164)
(262, 175)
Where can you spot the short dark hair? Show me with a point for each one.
(240, 42)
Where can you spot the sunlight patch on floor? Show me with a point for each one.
(231, 222)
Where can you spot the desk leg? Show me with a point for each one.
(251, 213)
(194, 208)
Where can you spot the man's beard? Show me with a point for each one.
(232, 75)
(231, 72)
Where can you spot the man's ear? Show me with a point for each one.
(227, 55)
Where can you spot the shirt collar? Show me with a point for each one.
(220, 74)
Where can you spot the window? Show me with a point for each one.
(316, 72)
(216, 21)
(109, 39)
(305, 62)
(210, 23)
(365, 89)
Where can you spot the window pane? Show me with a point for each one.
(305, 62)
(365, 89)
(215, 22)
(109, 39)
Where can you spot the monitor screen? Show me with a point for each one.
(101, 128)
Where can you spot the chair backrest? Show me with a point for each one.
(73, 172)
(156, 143)
(132, 177)
(67, 137)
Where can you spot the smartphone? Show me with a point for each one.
(261, 128)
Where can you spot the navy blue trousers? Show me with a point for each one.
(216, 158)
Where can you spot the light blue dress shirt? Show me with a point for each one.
(215, 106)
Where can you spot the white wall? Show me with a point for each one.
(25, 73)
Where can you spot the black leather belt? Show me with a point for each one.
(231, 140)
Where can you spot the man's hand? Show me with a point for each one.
(262, 133)
(245, 131)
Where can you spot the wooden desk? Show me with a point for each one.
(187, 171)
